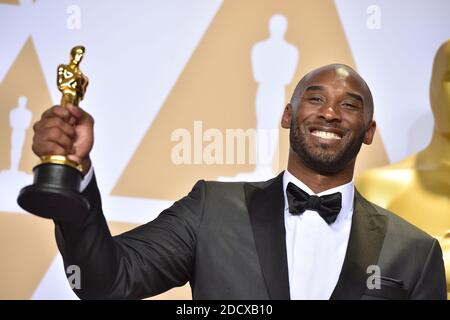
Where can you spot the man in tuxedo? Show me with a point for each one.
(305, 234)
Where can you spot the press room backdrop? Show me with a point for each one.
(169, 79)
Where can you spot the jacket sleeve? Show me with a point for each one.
(145, 261)
(431, 284)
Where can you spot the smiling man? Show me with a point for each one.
(330, 116)
(306, 234)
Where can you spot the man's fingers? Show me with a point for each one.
(70, 114)
(77, 112)
(72, 121)
(57, 111)
(48, 148)
(60, 132)
(47, 113)
(59, 123)
(57, 136)
(81, 116)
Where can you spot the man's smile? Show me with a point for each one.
(326, 134)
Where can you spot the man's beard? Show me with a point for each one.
(324, 158)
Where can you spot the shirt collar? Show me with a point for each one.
(347, 190)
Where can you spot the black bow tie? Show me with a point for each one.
(328, 206)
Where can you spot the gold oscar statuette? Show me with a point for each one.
(55, 192)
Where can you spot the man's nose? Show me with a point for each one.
(330, 112)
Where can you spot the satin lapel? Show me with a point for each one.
(265, 203)
(366, 240)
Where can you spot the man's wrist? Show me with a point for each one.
(86, 164)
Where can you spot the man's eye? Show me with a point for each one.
(350, 105)
(315, 99)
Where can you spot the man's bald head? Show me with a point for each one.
(340, 71)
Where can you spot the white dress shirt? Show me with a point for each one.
(316, 250)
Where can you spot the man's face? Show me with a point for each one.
(330, 122)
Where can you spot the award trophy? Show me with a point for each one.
(55, 192)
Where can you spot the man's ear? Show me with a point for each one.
(370, 132)
(287, 116)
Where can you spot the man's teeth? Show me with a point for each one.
(325, 135)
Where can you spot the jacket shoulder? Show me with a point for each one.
(399, 226)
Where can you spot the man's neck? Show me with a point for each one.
(318, 182)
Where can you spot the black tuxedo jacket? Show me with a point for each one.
(228, 241)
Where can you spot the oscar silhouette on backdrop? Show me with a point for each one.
(19, 120)
(418, 187)
(12, 179)
(274, 62)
